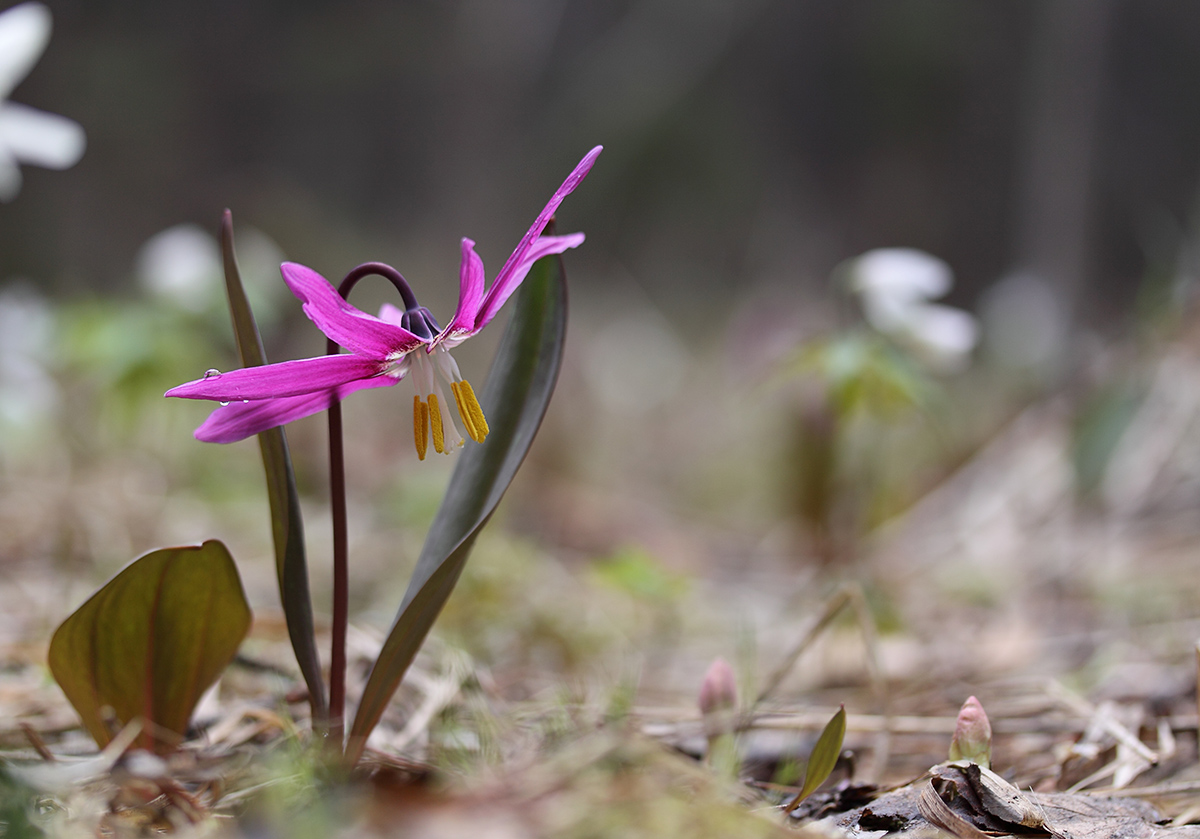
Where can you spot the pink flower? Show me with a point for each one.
(382, 350)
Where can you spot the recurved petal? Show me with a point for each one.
(503, 286)
(944, 329)
(349, 327)
(239, 420)
(287, 378)
(501, 291)
(470, 292)
(24, 33)
(391, 314)
(34, 136)
(903, 274)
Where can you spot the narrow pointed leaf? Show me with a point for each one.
(824, 755)
(152, 640)
(515, 399)
(287, 528)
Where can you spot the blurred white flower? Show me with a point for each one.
(181, 264)
(895, 286)
(28, 135)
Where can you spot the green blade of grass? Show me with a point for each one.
(287, 528)
(515, 398)
(824, 757)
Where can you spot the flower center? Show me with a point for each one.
(429, 370)
(420, 322)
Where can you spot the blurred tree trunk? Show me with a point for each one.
(1064, 82)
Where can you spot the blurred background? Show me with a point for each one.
(750, 145)
(727, 422)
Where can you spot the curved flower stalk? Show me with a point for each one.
(382, 350)
(28, 135)
(896, 286)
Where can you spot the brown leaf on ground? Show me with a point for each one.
(970, 802)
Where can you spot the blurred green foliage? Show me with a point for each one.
(864, 372)
(864, 429)
(638, 574)
(120, 353)
(1100, 423)
(19, 810)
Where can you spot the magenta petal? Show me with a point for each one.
(503, 286)
(349, 327)
(239, 420)
(391, 314)
(501, 291)
(470, 292)
(287, 378)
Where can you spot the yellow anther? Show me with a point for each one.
(462, 409)
(435, 420)
(420, 426)
(468, 408)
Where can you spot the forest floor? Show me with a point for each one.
(558, 694)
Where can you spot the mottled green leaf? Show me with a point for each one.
(287, 528)
(152, 640)
(515, 398)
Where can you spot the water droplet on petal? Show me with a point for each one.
(245, 401)
(212, 371)
(224, 404)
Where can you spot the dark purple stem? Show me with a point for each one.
(337, 503)
(341, 575)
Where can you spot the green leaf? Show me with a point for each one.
(152, 640)
(287, 528)
(824, 756)
(515, 399)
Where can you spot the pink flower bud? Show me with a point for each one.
(972, 735)
(718, 707)
(719, 690)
